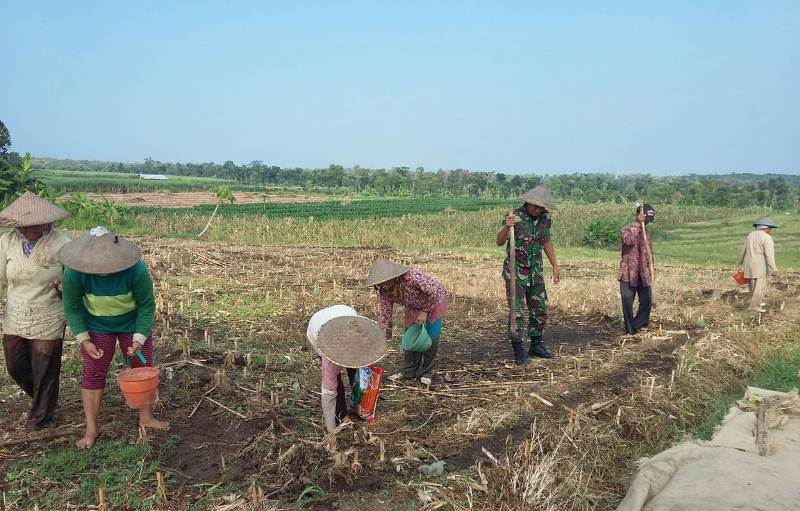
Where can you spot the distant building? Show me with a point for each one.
(157, 177)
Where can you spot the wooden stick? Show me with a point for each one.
(512, 276)
(761, 430)
(226, 408)
(650, 262)
(50, 436)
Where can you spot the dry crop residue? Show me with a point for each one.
(240, 383)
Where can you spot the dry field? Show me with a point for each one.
(241, 388)
(188, 199)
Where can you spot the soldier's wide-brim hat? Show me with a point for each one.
(30, 209)
(765, 222)
(99, 252)
(539, 196)
(383, 270)
(351, 341)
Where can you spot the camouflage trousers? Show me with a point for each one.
(535, 297)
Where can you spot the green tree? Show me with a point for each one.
(5, 138)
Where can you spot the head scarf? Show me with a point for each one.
(28, 245)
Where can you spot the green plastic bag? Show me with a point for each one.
(416, 339)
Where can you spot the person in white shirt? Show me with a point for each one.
(33, 323)
(757, 260)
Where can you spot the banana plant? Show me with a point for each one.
(18, 179)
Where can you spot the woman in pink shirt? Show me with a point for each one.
(424, 300)
(343, 340)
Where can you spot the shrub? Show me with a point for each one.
(602, 232)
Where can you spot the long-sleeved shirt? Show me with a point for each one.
(634, 265)
(758, 255)
(530, 235)
(33, 308)
(115, 303)
(420, 292)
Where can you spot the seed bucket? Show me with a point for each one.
(416, 339)
(139, 386)
(739, 278)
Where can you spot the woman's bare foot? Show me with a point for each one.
(87, 441)
(152, 422)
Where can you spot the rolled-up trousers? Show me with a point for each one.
(628, 293)
(35, 365)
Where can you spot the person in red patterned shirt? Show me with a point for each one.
(635, 270)
(424, 300)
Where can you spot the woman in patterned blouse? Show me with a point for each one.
(424, 300)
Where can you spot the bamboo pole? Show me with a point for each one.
(512, 277)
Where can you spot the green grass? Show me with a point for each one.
(780, 372)
(74, 476)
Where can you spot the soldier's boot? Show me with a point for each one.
(537, 349)
(519, 354)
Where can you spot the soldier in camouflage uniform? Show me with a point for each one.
(531, 224)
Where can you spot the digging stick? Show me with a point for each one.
(650, 263)
(512, 277)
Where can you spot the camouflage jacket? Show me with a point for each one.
(530, 234)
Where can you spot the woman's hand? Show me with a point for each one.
(510, 221)
(92, 350)
(421, 318)
(133, 348)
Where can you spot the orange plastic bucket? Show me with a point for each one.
(139, 386)
(739, 278)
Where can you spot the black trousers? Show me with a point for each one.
(35, 366)
(341, 395)
(642, 317)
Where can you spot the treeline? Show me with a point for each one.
(730, 190)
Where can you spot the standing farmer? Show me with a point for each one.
(108, 297)
(425, 301)
(636, 271)
(531, 224)
(33, 324)
(758, 258)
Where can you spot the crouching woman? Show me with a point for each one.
(343, 340)
(108, 298)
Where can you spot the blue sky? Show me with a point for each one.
(659, 87)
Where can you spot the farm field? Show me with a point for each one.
(113, 182)
(190, 199)
(241, 385)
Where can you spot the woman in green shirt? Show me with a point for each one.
(108, 297)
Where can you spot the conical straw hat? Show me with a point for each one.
(539, 196)
(30, 209)
(383, 270)
(99, 251)
(765, 222)
(351, 341)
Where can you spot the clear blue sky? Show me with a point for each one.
(660, 87)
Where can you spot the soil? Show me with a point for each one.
(188, 199)
(211, 439)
